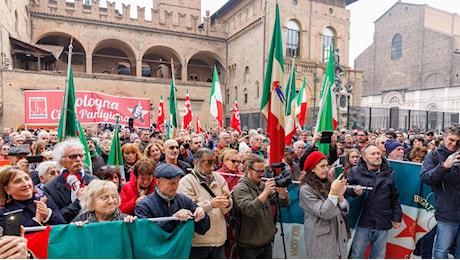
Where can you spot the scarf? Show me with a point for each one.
(117, 215)
(73, 182)
(165, 197)
(203, 177)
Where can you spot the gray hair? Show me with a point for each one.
(44, 166)
(198, 156)
(94, 189)
(377, 140)
(62, 146)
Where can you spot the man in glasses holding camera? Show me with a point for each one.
(255, 230)
(440, 170)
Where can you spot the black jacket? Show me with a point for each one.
(382, 205)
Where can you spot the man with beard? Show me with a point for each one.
(394, 150)
(362, 140)
(172, 153)
(67, 188)
(382, 209)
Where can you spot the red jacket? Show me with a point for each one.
(129, 194)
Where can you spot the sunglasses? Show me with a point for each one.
(235, 161)
(75, 156)
(258, 171)
(173, 147)
(209, 162)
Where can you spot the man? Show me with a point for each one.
(18, 140)
(440, 170)
(196, 142)
(382, 209)
(299, 147)
(44, 136)
(66, 189)
(361, 140)
(166, 202)
(257, 143)
(210, 191)
(14, 247)
(234, 143)
(289, 158)
(103, 157)
(348, 139)
(394, 150)
(223, 142)
(89, 131)
(303, 136)
(255, 230)
(429, 136)
(172, 154)
(53, 138)
(145, 138)
(18, 156)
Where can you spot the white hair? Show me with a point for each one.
(44, 166)
(62, 146)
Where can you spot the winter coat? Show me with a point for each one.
(324, 227)
(90, 216)
(445, 184)
(129, 194)
(190, 185)
(382, 205)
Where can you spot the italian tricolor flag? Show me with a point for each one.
(215, 101)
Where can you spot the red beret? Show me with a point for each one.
(313, 159)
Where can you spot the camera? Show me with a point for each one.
(284, 178)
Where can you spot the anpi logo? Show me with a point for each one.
(38, 108)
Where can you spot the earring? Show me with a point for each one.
(9, 199)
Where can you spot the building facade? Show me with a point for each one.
(118, 55)
(414, 61)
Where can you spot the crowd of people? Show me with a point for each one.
(210, 177)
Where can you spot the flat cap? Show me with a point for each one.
(289, 149)
(18, 150)
(168, 171)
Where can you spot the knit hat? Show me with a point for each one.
(313, 159)
(391, 144)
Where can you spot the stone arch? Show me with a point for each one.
(434, 80)
(298, 21)
(114, 57)
(158, 60)
(202, 64)
(393, 98)
(63, 39)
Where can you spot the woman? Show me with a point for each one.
(4, 152)
(351, 159)
(324, 205)
(17, 192)
(153, 151)
(46, 172)
(131, 154)
(109, 173)
(142, 183)
(418, 154)
(38, 147)
(231, 164)
(100, 202)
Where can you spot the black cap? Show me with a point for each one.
(168, 171)
(430, 132)
(289, 149)
(18, 150)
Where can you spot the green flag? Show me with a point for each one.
(290, 119)
(69, 126)
(116, 157)
(173, 118)
(325, 120)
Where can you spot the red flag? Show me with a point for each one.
(161, 117)
(38, 243)
(235, 121)
(188, 113)
(198, 125)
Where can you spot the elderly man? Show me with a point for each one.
(210, 191)
(299, 147)
(18, 140)
(166, 202)
(289, 156)
(18, 156)
(53, 138)
(257, 144)
(224, 141)
(394, 150)
(172, 154)
(67, 188)
(382, 209)
(255, 230)
(234, 143)
(145, 138)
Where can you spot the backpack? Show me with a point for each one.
(234, 215)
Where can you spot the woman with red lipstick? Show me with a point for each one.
(17, 193)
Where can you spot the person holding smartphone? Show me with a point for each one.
(14, 247)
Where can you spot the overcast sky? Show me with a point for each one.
(363, 15)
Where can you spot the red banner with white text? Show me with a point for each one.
(44, 108)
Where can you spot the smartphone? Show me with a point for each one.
(337, 171)
(326, 137)
(13, 221)
(230, 194)
(34, 159)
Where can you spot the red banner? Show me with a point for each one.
(44, 108)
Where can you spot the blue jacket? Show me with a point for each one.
(445, 184)
(29, 209)
(382, 205)
(154, 207)
(57, 190)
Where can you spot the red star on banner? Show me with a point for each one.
(412, 227)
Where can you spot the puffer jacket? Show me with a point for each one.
(190, 185)
(129, 194)
(382, 205)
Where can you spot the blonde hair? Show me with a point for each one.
(95, 189)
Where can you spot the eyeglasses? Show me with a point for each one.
(258, 171)
(5, 149)
(56, 172)
(107, 197)
(173, 147)
(75, 156)
(209, 162)
(235, 161)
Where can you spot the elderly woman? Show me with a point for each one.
(142, 183)
(17, 193)
(323, 203)
(46, 172)
(154, 151)
(131, 154)
(110, 173)
(231, 163)
(100, 202)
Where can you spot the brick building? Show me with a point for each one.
(118, 55)
(414, 61)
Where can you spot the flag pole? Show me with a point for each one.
(66, 90)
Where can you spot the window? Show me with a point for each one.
(245, 98)
(396, 47)
(258, 90)
(246, 74)
(292, 39)
(328, 40)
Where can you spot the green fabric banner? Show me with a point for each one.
(117, 239)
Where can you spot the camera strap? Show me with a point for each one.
(206, 187)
